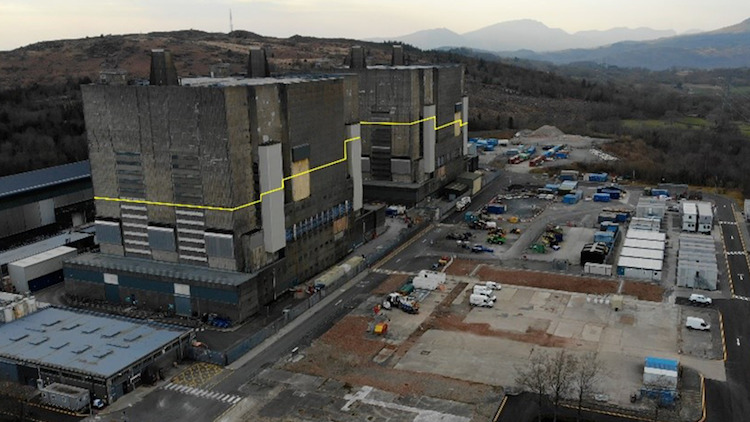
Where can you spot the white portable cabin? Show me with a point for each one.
(643, 253)
(689, 216)
(705, 217)
(428, 280)
(747, 209)
(645, 235)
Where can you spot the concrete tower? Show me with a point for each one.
(163, 71)
(257, 63)
(397, 56)
(357, 58)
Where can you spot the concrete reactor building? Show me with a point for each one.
(215, 195)
(414, 127)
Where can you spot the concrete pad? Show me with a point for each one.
(499, 320)
(523, 297)
(539, 298)
(592, 332)
(713, 369)
(611, 336)
(492, 360)
(506, 294)
(568, 329)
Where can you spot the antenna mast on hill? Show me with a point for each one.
(231, 27)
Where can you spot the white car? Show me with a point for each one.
(697, 299)
(696, 323)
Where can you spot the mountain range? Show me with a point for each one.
(526, 34)
(642, 47)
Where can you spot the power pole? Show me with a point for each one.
(231, 27)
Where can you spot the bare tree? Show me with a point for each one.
(586, 375)
(561, 369)
(534, 377)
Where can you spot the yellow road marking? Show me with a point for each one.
(500, 409)
(723, 339)
(321, 167)
(703, 398)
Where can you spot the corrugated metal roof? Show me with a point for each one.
(705, 209)
(83, 342)
(643, 253)
(646, 264)
(37, 179)
(643, 244)
(119, 264)
(645, 235)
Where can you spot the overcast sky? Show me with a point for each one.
(23, 22)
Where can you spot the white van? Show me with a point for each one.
(492, 285)
(484, 290)
(481, 300)
(696, 323)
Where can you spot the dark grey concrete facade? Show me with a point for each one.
(177, 173)
(409, 161)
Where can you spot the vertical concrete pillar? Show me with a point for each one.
(354, 163)
(357, 58)
(397, 55)
(272, 204)
(465, 123)
(163, 71)
(257, 63)
(428, 139)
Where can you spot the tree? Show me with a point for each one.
(586, 375)
(561, 369)
(534, 377)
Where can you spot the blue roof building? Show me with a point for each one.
(104, 354)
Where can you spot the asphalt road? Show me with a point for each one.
(730, 401)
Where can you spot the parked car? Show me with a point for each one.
(481, 248)
(695, 323)
(696, 299)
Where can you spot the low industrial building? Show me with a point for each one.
(697, 266)
(645, 223)
(41, 270)
(642, 255)
(50, 199)
(106, 355)
(651, 207)
(81, 239)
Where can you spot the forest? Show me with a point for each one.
(678, 125)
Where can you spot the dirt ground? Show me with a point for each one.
(345, 353)
(391, 284)
(569, 283)
(547, 280)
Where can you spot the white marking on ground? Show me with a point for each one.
(422, 415)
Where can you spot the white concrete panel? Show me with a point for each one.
(428, 144)
(354, 164)
(465, 128)
(272, 205)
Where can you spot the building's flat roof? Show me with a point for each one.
(44, 256)
(645, 235)
(705, 208)
(149, 267)
(689, 208)
(643, 244)
(646, 264)
(82, 342)
(410, 67)
(26, 251)
(50, 176)
(642, 253)
(205, 81)
(568, 184)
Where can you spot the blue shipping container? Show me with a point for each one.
(602, 197)
(496, 208)
(613, 193)
(622, 217)
(659, 192)
(570, 199)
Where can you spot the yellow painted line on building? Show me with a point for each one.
(703, 399)
(259, 200)
(500, 409)
(723, 338)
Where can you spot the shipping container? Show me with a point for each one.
(598, 269)
(607, 216)
(622, 217)
(602, 197)
(659, 192)
(497, 208)
(570, 199)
